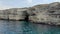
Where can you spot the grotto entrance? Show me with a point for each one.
(26, 16)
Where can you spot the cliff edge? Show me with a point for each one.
(43, 13)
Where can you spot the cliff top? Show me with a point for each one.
(38, 6)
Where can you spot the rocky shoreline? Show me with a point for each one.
(43, 13)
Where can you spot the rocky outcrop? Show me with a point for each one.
(44, 13)
(13, 14)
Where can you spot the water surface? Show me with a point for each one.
(23, 27)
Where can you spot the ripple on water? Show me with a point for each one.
(23, 27)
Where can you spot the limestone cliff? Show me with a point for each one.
(13, 14)
(46, 13)
(43, 13)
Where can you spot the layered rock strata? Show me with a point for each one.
(43, 13)
(13, 14)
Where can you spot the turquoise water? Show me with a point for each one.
(22, 27)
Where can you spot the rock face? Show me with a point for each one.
(13, 14)
(44, 13)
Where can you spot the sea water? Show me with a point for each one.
(23, 27)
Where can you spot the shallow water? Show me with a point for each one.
(22, 27)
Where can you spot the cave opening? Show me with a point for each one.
(26, 16)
